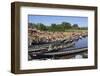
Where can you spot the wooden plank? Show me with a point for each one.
(67, 52)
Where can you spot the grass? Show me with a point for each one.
(76, 30)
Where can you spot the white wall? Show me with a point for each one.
(5, 42)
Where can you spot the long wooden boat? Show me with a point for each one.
(49, 55)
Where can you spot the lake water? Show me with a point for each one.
(81, 43)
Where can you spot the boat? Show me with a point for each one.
(50, 55)
(55, 48)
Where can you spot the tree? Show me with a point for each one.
(53, 25)
(30, 25)
(66, 25)
(75, 26)
(41, 26)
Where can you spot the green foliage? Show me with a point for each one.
(75, 25)
(41, 26)
(64, 26)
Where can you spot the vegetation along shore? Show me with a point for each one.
(40, 33)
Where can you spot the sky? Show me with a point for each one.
(48, 20)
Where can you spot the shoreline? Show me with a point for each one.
(36, 36)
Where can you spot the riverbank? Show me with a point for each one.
(36, 36)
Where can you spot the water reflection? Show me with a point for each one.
(81, 43)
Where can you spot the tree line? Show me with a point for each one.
(64, 26)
